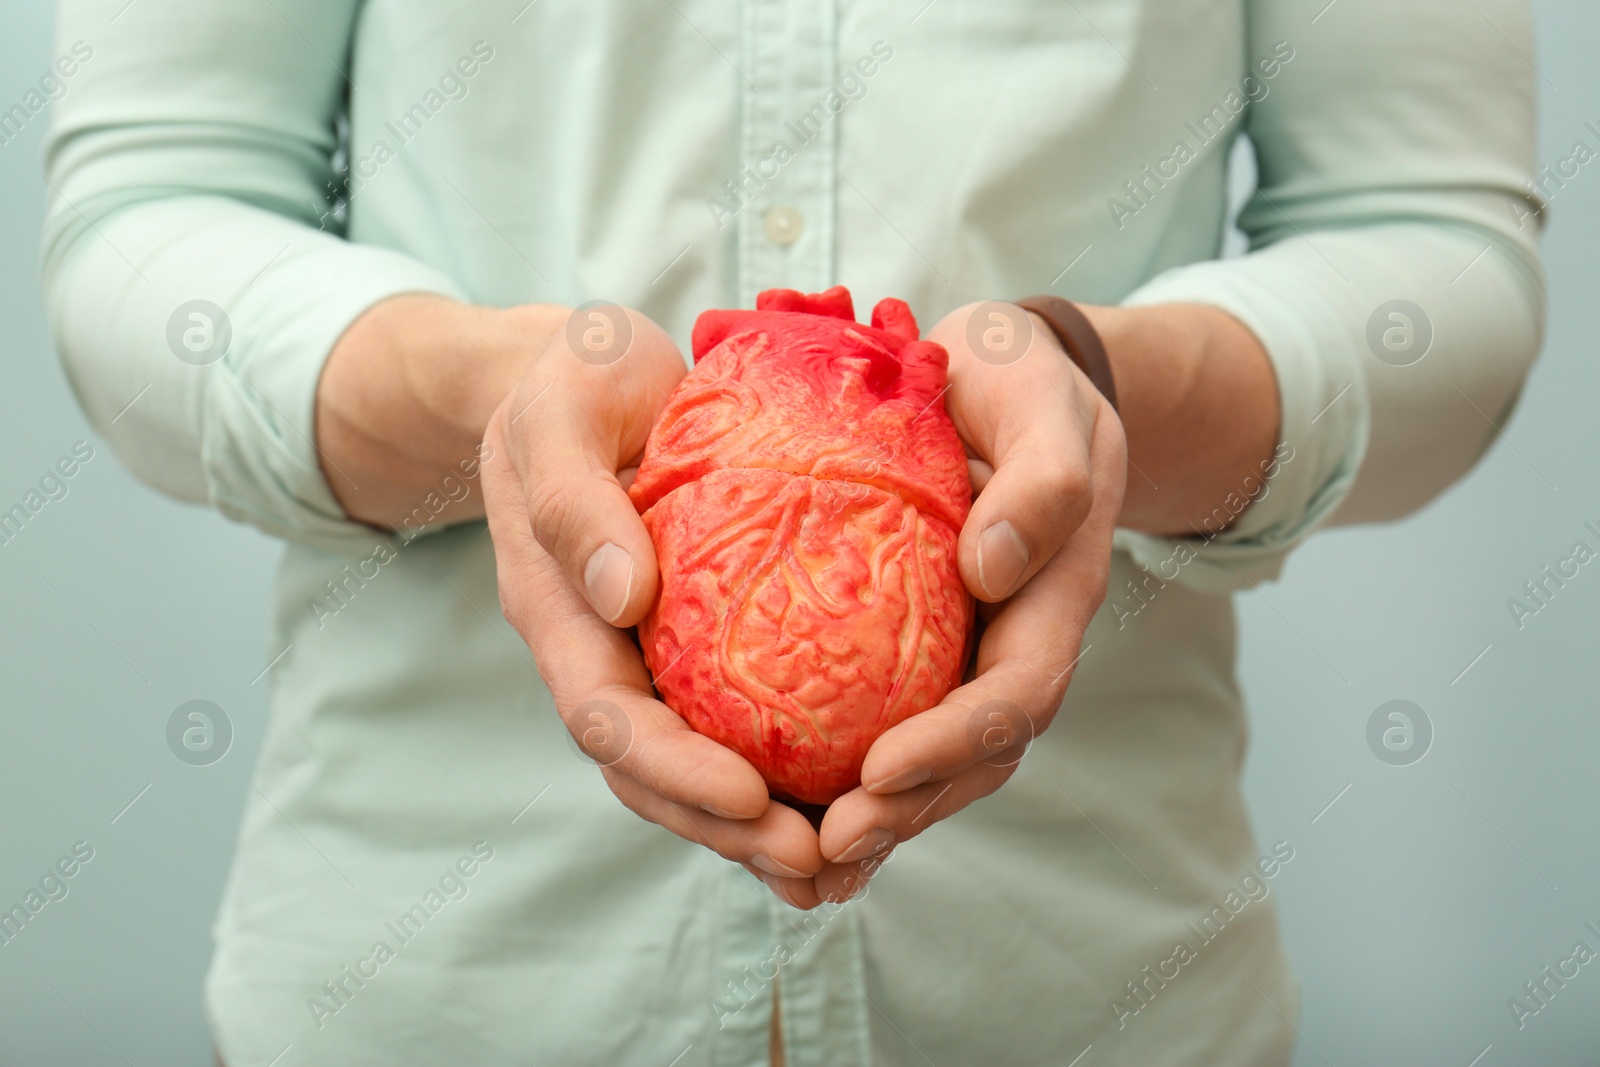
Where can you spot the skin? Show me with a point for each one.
(418, 382)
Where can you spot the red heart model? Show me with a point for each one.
(804, 487)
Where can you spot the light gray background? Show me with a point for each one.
(1417, 904)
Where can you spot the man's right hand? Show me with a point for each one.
(563, 401)
(576, 564)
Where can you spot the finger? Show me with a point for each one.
(798, 893)
(1027, 413)
(978, 473)
(839, 882)
(582, 415)
(990, 720)
(1024, 659)
(780, 844)
(629, 734)
(1029, 649)
(596, 675)
(861, 825)
(1044, 633)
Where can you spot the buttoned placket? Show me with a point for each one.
(786, 190)
(788, 146)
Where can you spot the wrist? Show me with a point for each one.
(1199, 404)
(511, 341)
(1077, 338)
(407, 393)
(459, 361)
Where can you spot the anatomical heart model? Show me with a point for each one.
(804, 488)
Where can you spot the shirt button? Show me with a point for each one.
(784, 225)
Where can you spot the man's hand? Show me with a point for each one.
(575, 563)
(564, 401)
(1048, 463)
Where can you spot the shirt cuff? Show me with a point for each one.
(1325, 422)
(257, 438)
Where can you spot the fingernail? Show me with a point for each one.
(1002, 557)
(782, 892)
(772, 866)
(719, 813)
(869, 843)
(609, 578)
(896, 783)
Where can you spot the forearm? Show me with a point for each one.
(406, 394)
(1199, 403)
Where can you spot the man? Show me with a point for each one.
(367, 347)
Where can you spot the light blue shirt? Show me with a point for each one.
(426, 873)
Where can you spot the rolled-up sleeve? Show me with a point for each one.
(1393, 275)
(195, 275)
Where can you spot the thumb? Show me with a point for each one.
(573, 424)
